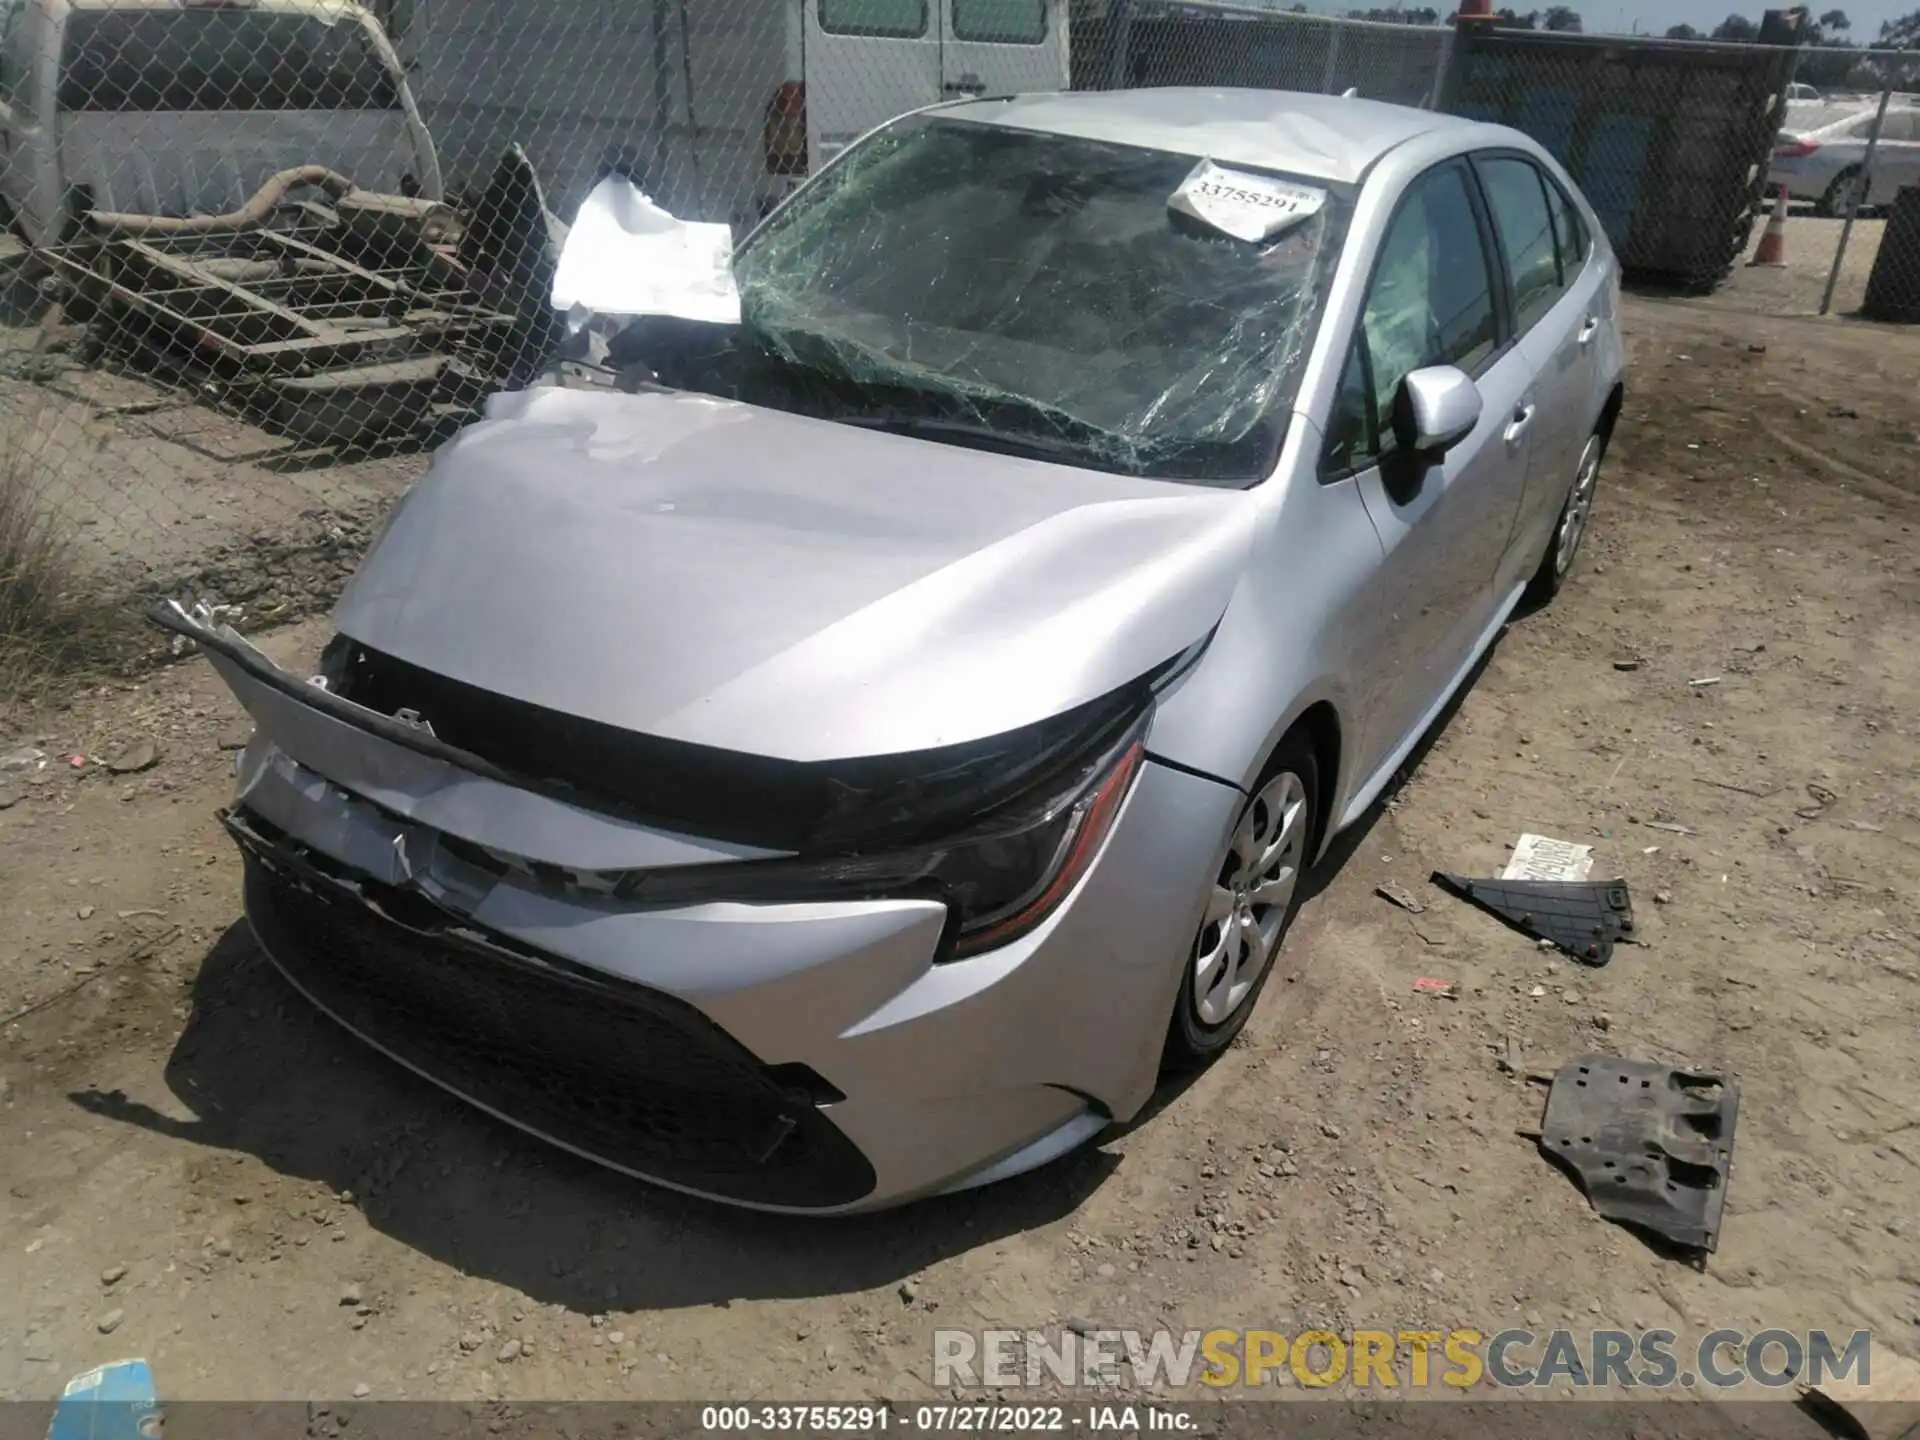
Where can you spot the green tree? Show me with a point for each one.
(1683, 32)
(1835, 22)
(1903, 33)
(1737, 27)
(1563, 18)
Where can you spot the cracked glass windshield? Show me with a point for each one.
(1031, 293)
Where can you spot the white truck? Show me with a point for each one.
(717, 108)
(185, 107)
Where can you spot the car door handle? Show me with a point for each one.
(1589, 330)
(1522, 418)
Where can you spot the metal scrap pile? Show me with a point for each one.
(351, 317)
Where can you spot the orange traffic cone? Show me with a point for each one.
(1475, 10)
(1773, 244)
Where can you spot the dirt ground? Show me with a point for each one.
(1800, 286)
(164, 494)
(202, 1171)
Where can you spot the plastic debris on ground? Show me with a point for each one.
(116, 1401)
(1583, 920)
(1541, 857)
(1427, 985)
(1400, 896)
(624, 255)
(1651, 1145)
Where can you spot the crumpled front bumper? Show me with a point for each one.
(931, 1076)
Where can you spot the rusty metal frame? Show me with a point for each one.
(292, 328)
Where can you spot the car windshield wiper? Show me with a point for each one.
(972, 433)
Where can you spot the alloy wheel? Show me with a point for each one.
(1250, 901)
(1849, 193)
(1573, 520)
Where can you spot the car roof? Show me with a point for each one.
(1855, 115)
(1325, 137)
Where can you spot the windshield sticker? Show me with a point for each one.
(1246, 206)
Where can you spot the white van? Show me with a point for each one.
(187, 107)
(716, 107)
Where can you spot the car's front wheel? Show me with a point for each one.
(1251, 903)
(1571, 528)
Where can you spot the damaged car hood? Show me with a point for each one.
(747, 579)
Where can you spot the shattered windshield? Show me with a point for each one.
(979, 283)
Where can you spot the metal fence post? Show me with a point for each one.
(1333, 59)
(1440, 69)
(1866, 191)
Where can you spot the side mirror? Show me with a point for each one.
(1435, 410)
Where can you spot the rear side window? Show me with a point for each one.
(1517, 195)
(886, 19)
(1570, 232)
(221, 59)
(1902, 127)
(1004, 22)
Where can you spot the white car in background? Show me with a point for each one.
(1822, 157)
(185, 107)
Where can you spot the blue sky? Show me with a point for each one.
(1658, 15)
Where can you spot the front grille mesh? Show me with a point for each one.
(630, 1076)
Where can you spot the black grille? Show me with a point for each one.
(627, 1075)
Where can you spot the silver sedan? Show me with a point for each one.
(853, 753)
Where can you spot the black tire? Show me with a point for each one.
(1192, 1039)
(1828, 207)
(1555, 568)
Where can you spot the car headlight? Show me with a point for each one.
(1000, 879)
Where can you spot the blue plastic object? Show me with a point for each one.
(116, 1401)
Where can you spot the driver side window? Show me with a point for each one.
(1430, 303)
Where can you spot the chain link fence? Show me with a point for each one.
(267, 254)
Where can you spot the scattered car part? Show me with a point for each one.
(1584, 920)
(388, 229)
(329, 323)
(1400, 896)
(512, 248)
(1650, 1144)
(253, 213)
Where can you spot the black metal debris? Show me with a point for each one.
(1580, 918)
(351, 317)
(1651, 1145)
